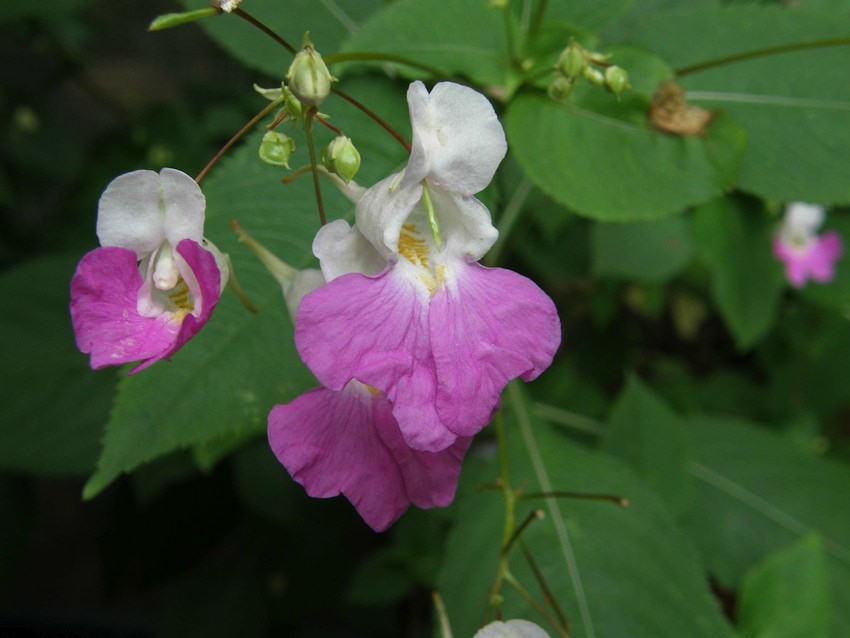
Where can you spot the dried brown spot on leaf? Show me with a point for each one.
(671, 113)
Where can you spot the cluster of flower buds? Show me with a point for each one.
(576, 62)
(309, 84)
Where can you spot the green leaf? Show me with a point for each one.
(787, 594)
(757, 492)
(615, 572)
(222, 384)
(465, 37)
(329, 23)
(645, 251)
(590, 14)
(52, 405)
(599, 156)
(733, 238)
(645, 433)
(795, 106)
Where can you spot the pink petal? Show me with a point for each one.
(348, 442)
(107, 324)
(375, 330)
(104, 293)
(495, 325)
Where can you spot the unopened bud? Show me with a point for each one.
(616, 79)
(594, 75)
(341, 158)
(276, 148)
(561, 87)
(572, 61)
(309, 78)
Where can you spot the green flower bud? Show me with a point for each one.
(616, 79)
(594, 75)
(309, 78)
(341, 158)
(276, 148)
(572, 61)
(561, 87)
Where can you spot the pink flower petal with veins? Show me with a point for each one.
(348, 442)
(442, 361)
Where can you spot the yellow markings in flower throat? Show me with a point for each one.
(182, 298)
(415, 249)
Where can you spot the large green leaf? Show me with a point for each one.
(465, 37)
(53, 408)
(615, 572)
(787, 594)
(602, 158)
(649, 436)
(645, 251)
(223, 383)
(733, 239)
(328, 21)
(795, 106)
(757, 493)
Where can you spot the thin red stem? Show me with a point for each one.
(389, 129)
(259, 116)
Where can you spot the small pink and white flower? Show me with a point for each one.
(155, 280)
(806, 254)
(435, 332)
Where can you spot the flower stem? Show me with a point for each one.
(622, 501)
(372, 56)
(369, 112)
(540, 609)
(308, 131)
(262, 27)
(322, 120)
(433, 222)
(758, 53)
(259, 116)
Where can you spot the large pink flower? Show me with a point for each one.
(155, 281)
(806, 254)
(437, 333)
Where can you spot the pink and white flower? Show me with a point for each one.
(806, 254)
(155, 280)
(437, 333)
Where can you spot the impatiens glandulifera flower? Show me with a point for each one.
(436, 332)
(806, 254)
(511, 629)
(347, 441)
(155, 280)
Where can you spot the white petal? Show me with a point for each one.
(304, 282)
(383, 209)
(465, 222)
(184, 205)
(511, 629)
(129, 213)
(342, 249)
(458, 141)
(803, 217)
